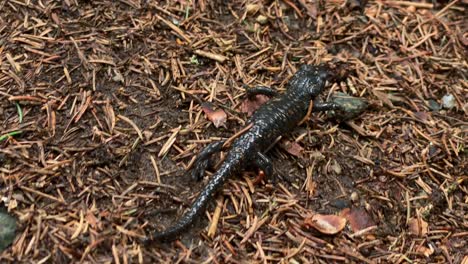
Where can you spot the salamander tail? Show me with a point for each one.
(186, 221)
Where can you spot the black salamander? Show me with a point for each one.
(277, 117)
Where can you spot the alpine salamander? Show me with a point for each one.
(275, 118)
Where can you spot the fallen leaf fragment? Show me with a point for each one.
(92, 220)
(292, 148)
(358, 218)
(311, 8)
(417, 226)
(249, 106)
(217, 117)
(326, 224)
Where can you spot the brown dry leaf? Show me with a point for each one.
(249, 106)
(311, 8)
(417, 226)
(217, 117)
(55, 18)
(358, 218)
(92, 220)
(292, 148)
(326, 224)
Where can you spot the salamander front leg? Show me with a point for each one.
(264, 164)
(252, 92)
(325, 106)
(203, 159)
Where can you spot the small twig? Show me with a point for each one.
(175, 28)
(210, 55)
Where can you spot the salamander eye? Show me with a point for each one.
(322, 74)
(306, 68)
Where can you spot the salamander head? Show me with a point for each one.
(309, 79)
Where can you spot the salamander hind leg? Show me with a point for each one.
(264, 90)
(264, 164)
(203, 159)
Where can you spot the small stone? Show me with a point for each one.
(262, 19)
(175, 22)
(448, 101)
(118, 77)
(433, 105)
(7, 232)
(354, 197)
(147, 134)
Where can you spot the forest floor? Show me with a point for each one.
(100, 117)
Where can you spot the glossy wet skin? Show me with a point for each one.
(283, 113)
(277, 117)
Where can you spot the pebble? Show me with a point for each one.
(448, 101)
(433, 105)
(262, 19)
(7, 232)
